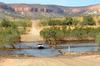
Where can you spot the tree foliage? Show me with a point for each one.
(9, 31)
(70, 27)
(88, 20)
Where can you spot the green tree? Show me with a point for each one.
(9, 33)
(5, 23)
(88, 20)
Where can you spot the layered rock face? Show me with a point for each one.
(55, 9)
(43, 9)
(92, 9)
(22, 8)
(30, 9)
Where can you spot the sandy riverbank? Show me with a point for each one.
(89, 60)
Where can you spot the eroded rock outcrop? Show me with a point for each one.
(56, 10)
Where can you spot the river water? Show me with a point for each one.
(32, 49)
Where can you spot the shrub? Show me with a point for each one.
(98, 40)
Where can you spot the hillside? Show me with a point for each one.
(42, 11)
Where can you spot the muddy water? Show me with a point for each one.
(32, 49)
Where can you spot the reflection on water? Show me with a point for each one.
(31, 49)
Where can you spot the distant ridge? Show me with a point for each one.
(41, 11)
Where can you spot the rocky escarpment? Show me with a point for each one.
(24, 8)
(37, 10)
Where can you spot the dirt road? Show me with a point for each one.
(93, 60)
(34, 33)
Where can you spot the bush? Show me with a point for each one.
(9, 36)
(9, 33)
(88, 20)
(98, 40)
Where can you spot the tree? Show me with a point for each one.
(50, 36)
(68, 21)
(96, 19)
(88, 20)
(5, 23)
(9, 33)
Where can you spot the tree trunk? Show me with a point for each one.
(13, 46)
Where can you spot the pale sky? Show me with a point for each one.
(56, 2)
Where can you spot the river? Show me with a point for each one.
(32, 49)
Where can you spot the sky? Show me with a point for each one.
(56, 2)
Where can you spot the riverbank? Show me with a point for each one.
(66, 54)
(88, 60)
